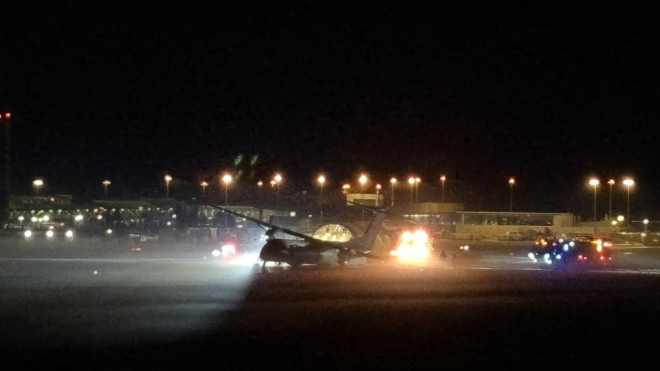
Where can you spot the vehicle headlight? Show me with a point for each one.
(50, 233)
(27, 233)
(69, 234)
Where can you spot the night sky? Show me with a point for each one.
(549, 93)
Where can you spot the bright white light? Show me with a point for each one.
(78, 217)
(50, 233)
(21, 218)
(27, 233)
(108, 231)
(413, 247)
(420, 237)
(216, 253)
(69, 233)
(99, 217)
(33, 219)
(46, 218)
(228, 249)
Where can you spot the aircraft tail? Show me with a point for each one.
(365, 241)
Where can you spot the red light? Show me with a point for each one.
(7, 115)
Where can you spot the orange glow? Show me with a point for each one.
(413, 247)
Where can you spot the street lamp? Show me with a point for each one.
(512, 181)
(611, 183)
(442, 181)
(393, 182)
(378, 187)
(411, 181)
(646, 224)
(204, 185)
(594, 182)
(363, 180)
(168, 179)
(105, 183)
(278, 179)
(5, 120)
(37, 184)
(417, 180)
(628, 182)
(226, 179)
(321, 180)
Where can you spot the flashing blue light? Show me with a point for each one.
(565, 247)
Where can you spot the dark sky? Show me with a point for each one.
(550, 93)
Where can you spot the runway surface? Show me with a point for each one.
(491, 308)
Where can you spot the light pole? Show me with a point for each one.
(278, 179)
(260, 199)
(646, 224)
(628, 182)
(417, 180)
(393, 182)
(411, 181)
(594, 182)
(105, 183)
(378, 186)
(611, 183)
(204, 185)
(5, 120)
(321, 180)
(512, 181)
(168, 179)
(442, 181)
(226, 179)
(37, 184)
(363, 180)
